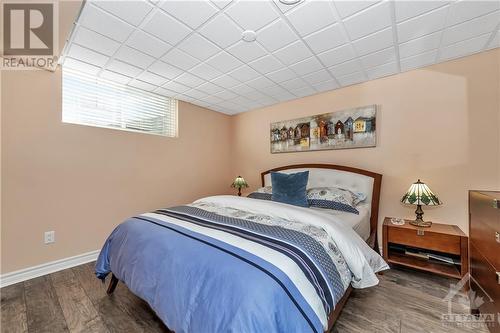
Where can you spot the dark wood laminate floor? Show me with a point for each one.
(73, 300)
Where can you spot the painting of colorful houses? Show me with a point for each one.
(352, 128)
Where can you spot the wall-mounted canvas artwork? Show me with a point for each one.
(352, 128)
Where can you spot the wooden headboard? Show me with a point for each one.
(344, 176)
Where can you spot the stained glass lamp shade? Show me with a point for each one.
(239, 183)
(420, 194)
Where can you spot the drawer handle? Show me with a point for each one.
(498, 277)
(497, 236)
(420, 232)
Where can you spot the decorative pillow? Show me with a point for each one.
(333, 198)
(260, 195)
(290, 188)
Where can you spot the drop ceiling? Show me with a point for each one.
(193, 50)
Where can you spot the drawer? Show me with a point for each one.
(484, 277)
(428, 240)
(484, 239)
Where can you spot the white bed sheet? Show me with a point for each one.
(360, 223)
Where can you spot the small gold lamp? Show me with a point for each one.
(419, 194)
(239, 183)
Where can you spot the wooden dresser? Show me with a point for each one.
(484, 246)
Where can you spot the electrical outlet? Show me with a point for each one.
(50, 237)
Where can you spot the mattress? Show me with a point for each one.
(360, 223)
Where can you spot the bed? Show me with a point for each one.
(236, 264)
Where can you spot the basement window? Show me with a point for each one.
(89, 100)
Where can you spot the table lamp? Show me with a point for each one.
(419, 194)
(239, 183)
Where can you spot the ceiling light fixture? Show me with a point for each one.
(289, 2)
(249, 36)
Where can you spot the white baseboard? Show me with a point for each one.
(47, 268)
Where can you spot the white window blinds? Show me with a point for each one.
(89, 100)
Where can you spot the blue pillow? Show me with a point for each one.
(290, 188)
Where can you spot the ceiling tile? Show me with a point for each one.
(304, 91)
(179, 59)
(246, 51)
(224, 62)
(407, 9)
(379, 17)
(222, 31)
(317, 77)
(252, 15)
(325, 86)
(123, 68)
(379, 58)
(281, 75)
(266, 64)
(199, 47)
(381, 71)
(225, 94)
(422, 25)
(260, 83)
(166, 28)
(461, 11)
(95, 41)
(326, 39)
(188, 79)
(285, 96)
(295, 83)
(175, 86)
(170, 93)
(292, 53)
(495, 41)
(92, 17)
(221, 3)
(142, 85)
(306, 66)
(311, 16)
(374, 42)
(88, 56)
(210, 88)
(244, 73)
(420, 45)
(346, 68)
(276, 35)
(192, 13)
(212, 99)
(418, 60)
(284, 7)
(165, 70)
(347, 8)
(205, 71)
(197, 94)
(151, 78)
(115, 77)
(275, 90)
(148, 44)
(131, 11)
(134, 57)
(462, 48)
(472, 28)
(81, 66)
(350, 79)
(337, 55)
(242, 89)
(226, 81)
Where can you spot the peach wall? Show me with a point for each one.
(82, 181)
(439, 124)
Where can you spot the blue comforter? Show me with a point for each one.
(206, 269)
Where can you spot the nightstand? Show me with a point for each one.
(441, 249)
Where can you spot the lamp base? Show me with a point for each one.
(419, 222)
